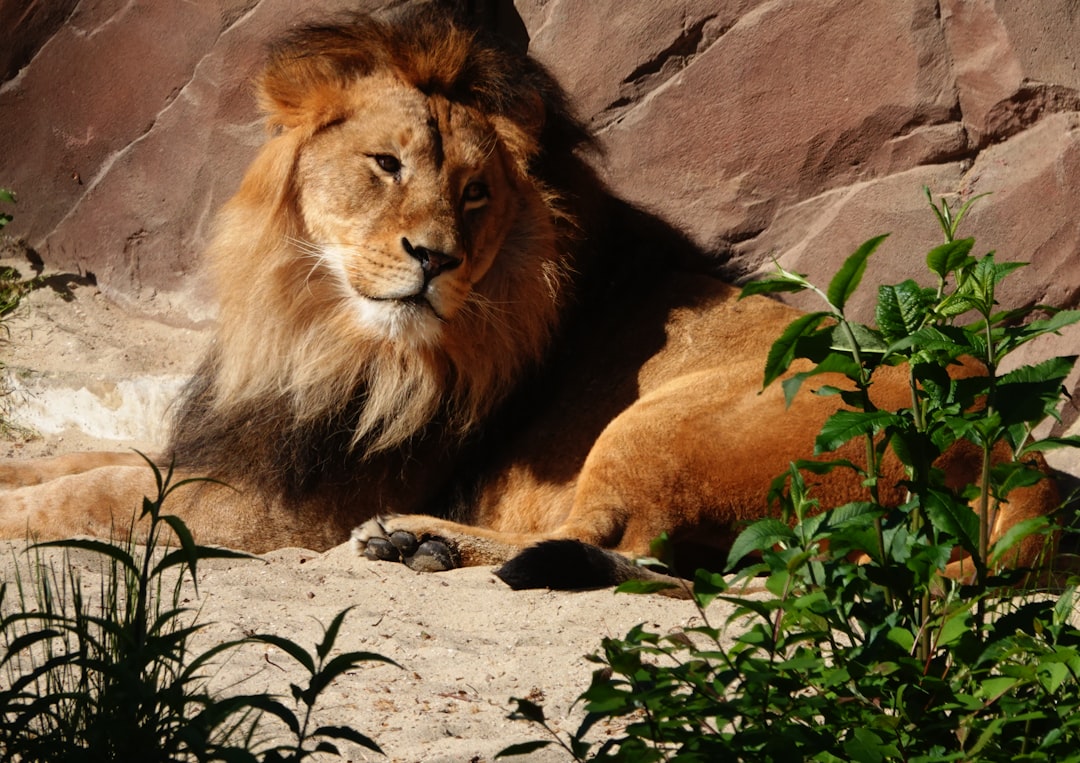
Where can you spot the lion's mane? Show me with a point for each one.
(292, 386)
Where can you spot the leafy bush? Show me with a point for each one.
(114, 679)
(883, 658)
(12, 285)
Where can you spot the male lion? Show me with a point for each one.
(428, 304)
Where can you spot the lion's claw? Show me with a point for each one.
(379, 544)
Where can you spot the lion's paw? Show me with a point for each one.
(377, 540)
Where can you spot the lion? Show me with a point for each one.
(439, 335)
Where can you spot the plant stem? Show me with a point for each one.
(872, 462)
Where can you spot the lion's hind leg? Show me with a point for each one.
(36, 471)
(100, 502)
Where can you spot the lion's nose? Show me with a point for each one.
(431, 261)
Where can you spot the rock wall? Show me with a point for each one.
(787, 129)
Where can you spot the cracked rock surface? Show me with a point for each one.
(787, 129)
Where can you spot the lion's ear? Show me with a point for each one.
(301, 92)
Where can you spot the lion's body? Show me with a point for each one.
(429, 310)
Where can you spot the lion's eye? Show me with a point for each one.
(388, 163)
(475, 192)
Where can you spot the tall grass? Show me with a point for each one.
(103, 669)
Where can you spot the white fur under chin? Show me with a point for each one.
(398, 321)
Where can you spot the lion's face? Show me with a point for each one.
(397, 250)
(405, 201)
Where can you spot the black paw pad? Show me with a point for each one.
(381, 550)
(405, 542)
(432, 556)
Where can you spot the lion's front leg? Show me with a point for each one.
(430, 544)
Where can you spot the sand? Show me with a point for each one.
(465, 644)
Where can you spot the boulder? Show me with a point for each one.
(129, 125)
(767, 129)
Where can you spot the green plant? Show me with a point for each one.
(12, 285)
(8, 197)
(114, 677)
(881, 659)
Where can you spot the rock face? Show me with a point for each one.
(787, 129)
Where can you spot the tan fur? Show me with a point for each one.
(554, 375)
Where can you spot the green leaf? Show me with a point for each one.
(1053, 443)
(855, 512)
(942, 213)
(1031, 393)
(843, 426)
(1010, 338)
(6, 195)
(864, 746)
(867, 339)
(903, 638)
(956, 305)
(644, 586)
(980, 282)
(763, 534)
(953, 628)
(96, 546)
(783, 349)
(1015, 534)
(953, 342)
(1051, 325)
(772, 286)
(901, 309)
(963, 211)
(1050, 370)
(833, 363)
(950, 256)
(954, 517)
(993, 688)
(1064, 608)
(849, 276)
(707, 586)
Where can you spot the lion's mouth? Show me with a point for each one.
(414, 304)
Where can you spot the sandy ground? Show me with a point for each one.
(466, 644)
